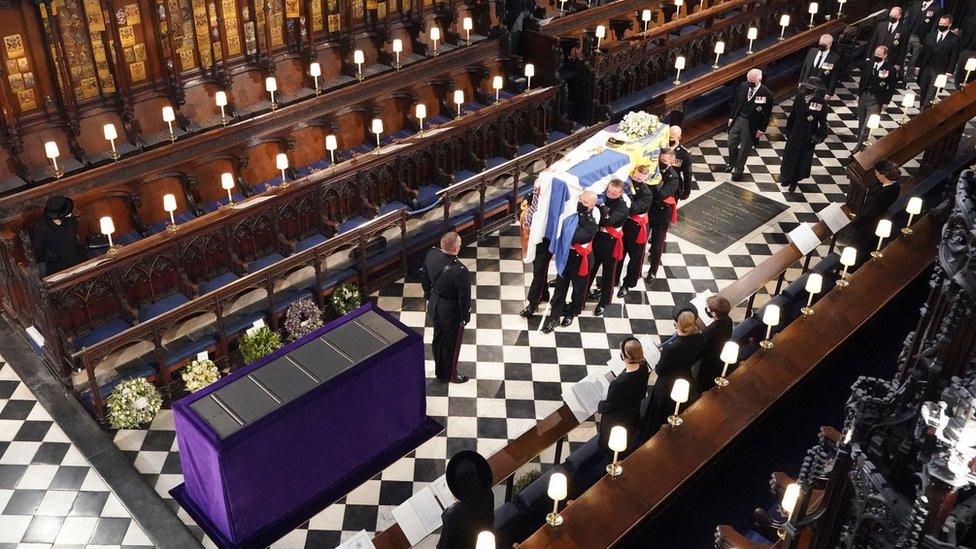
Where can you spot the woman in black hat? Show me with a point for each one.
(469, 478)
(56, 237)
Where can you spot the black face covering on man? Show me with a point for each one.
(878, 59)
(753, 84)
(581, 208)
(823, 47)
(943, 28)
(892, 19)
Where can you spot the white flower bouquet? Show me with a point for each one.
(132, 403)
(198, 374)
(635, 125)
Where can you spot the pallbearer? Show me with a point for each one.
(608, 244)
(805, 128)
(635, 227)
(538, 288)
(663, 210)
(577, 270)
(447, 287)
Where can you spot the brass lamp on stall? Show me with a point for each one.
(486, 540)
(784, 21)
(941, 81)
(813, 287)
(913, 208)
(220, 99)
(281, 162)
(601, 33)
(271, 86)
(107, 228)
(771, 319)
(677, 10)
(679, 394)
(529, 73)
(227, 183)
(728, 356)
(812, 10)
(397, 50)
(169, 116)
(557, 491)
(719, 50)
(646, 18)
(790, 497)
(108, 130)
(969, 68)
(617, 443)
(907, 102)
(458, 100)
(840, 6)
(874, 122)
(848, 258)
(467, 24)
(358, 57)
(331, 145)
(562, 6)
(52, 153)
(435, 35)
(751, 34)
(679, 63)
(169, 206)
(421, 113)
(315, 71)
(882, 231)
(498, 83)
(377, 127)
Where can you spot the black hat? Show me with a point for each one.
(468, 475)
(676, 312)
(58, 206)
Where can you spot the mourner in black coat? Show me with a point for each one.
(875, 89)
(715, 335)
(921, 18)
(469, 479)
(876, 204)
(447, 287)
(806, 126)
(822, 64)
(608, 244)
(892, 34)
(937, 56)
(678, 358)
(623, 402)
(56, 236)
(752, 107)
(576, 273)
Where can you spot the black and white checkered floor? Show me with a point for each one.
(518, 372)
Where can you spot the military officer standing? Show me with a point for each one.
(635, 228)
(608, 244)
(875, 90)
(447, 287)
(752, 107)
(577, 269)
(821, 63)
(893, 35)
(683, 163)
(805, 127)
(663, 210)
(921, 18)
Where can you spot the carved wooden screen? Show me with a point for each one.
(21, 62)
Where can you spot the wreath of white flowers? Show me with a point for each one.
(132, 403)
(198, 374)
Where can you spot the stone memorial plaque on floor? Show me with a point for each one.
(723, 216)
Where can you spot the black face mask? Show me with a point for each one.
(664, 166)
(878, 59)
(892, 19)
(581, 208)
(753, 84)
(823, 47)
(943, 28)
(672, 143)
(637, 184)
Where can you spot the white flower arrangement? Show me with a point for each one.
(637, 124)
(198, 374)
(132, 403)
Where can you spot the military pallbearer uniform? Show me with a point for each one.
(447, 287)
(661, 214)
(608, 248)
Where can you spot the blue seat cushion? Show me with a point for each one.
(131, 370)
(496, 161)
(128, 238)
(464, 218)
(461, 175)
(263, 262)
(310, 242)
(160, 226)
(184, 348)
(215, 204)
(526, 148)
(216, 283)
(334, 278)
(556, 135)
(385, 253)
(428, 195)
(363, 148)
(827, 265)
(162, 306)
(588, 464)
(438, 119)
(111, 328)
(391, 207)
(240, 322)
(509, 521)
(497, 202)
(351, 224)
(313, 167)
(283, 301)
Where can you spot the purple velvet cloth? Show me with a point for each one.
(263, 472)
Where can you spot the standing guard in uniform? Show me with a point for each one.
(663, 210)
(683, 163)
(447, 287)
(577, 270)
(635, 228)
(875, 89)
(805, 128)
(608, 244)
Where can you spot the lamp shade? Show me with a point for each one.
(679, 3)
(680, 390)
(358, 57)
(220, 99)
(51, 149)
(281, 161)
(601, 31)
(646, 16)
(753, 33)
(497, 83)
(486, 540)
(467, 24)
(376, 126)
(397, 45)
(169, 202)
(106, 226)
(314, 69)
(971, 64)
(812, 10)
(109, 131)
(908, 100)
(330, 143)
(421, 110)
(814, 283)
(730, 352)
(168, 114)
(941, 81)
(679, 62)
(784, 20)
(771, 315)
(270, 84)
(458, 97)
(790, 495)
(914, 206)
(557, 487)
(849, 256)
(874, 121)
(618, 438)
(435, 33)
(883, 230)
(529, 70)
(719, 47)
(227, 181)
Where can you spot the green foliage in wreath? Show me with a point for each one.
(259, 343)
(198, 374)
(525, 479)
(346, 298)
(132, 403)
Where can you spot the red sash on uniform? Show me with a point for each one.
(674, 208)
(641, 220)
(584, 252)
(618, 247)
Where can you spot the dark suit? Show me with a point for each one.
(715, 335)
(825, 68)
(875, 89)
(447, 287)
(683, 163)
(967, 45)
(750, 114)
(920, 21)
(875, 207)
(895, 39)
(635, 235)
(622, 407)
(937, 56)
(608, 250)
(678, 356)
(577, 270)
(659, 216)
(464, 520)
(805, 127)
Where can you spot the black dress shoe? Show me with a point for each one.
(529, 310)
(551, 283)
(600, 309)
(549, 325)
(567, 320)
(650, 277)
(594, 295)
(460, 378)
(622, 291)
(727, 168)
(737, 177)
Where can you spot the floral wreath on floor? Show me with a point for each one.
(303, 317)
(198, 374)
(634, 125)
(132, 403)
(346, 298)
